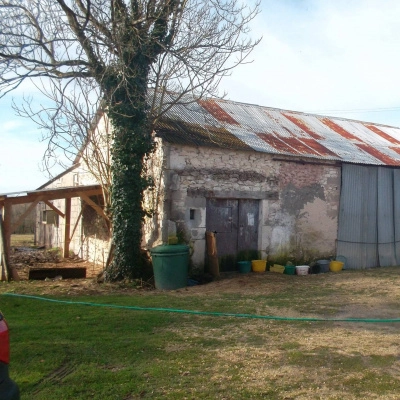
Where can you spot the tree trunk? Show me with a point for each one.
(131, 143)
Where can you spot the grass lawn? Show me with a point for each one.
(75, 351)
(22, 240)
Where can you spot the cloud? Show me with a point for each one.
(318, 54)
(10, 126)
(20, 152)
(19, 163)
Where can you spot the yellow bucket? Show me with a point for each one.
(277, 268)
(336, 266)
(259, 265)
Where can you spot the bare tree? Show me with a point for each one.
(131, 59)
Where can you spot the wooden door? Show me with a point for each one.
(248, 225)
(236, 225)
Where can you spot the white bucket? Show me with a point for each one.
(302, 269)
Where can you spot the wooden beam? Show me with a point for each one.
(6, 216)
(76, 223)
(54, 208)
(67, 238)
(66, 273)
(22, 217)
(92, 204)
(54, 194)
(4, 270)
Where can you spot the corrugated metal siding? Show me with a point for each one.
(369, 216)
(396, 211)
(385, 217)
(357, 233)
(244, 126)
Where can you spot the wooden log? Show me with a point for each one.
(51, 273)
(211, 242)
(4, 269)
(67, 227)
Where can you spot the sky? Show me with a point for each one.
(337, 58)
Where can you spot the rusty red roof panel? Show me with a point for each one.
(217, 112)
(233, 125)
(395, 149)
(338, 129)
(382, 134)
(319, 148)
(302, 125)
(387, 160)
(277, 143)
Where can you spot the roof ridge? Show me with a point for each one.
(300, 112)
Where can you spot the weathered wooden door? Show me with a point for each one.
(236, 223)
(248, 225)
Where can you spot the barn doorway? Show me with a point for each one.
(235, 222)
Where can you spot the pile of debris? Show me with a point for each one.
(33, 263)
(29, 256)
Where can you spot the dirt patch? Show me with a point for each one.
(23, 259)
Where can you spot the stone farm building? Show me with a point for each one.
(290, 185)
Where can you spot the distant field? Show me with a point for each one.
(22, 240)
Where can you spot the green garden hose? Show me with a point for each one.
(205, 313)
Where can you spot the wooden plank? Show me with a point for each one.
(54, 194)
(92, 204)
(4, 270)
(212, 253)
(54, 208)
(51, 273)
(76, 223)
(67, 227)
(7, 236)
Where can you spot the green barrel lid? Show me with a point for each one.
(170, 249)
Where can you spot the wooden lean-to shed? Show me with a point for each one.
(285, 184)
(59, 206)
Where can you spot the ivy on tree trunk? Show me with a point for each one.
(132, 142)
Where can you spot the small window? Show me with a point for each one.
(75, 179)
(50, 217)
(192, 213)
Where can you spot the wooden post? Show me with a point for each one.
(211, 242)
(67, 228)
(6, 239)
(3, 263)
(7, 226)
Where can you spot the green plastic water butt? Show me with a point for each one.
(170, 266)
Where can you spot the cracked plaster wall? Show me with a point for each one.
(298, 201)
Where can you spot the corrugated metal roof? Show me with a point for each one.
(229, 124)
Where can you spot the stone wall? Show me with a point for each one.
(303, 222)
(298, 199)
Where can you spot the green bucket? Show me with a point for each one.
(244, 267)
(290, 270)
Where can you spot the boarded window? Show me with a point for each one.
(50, 217)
